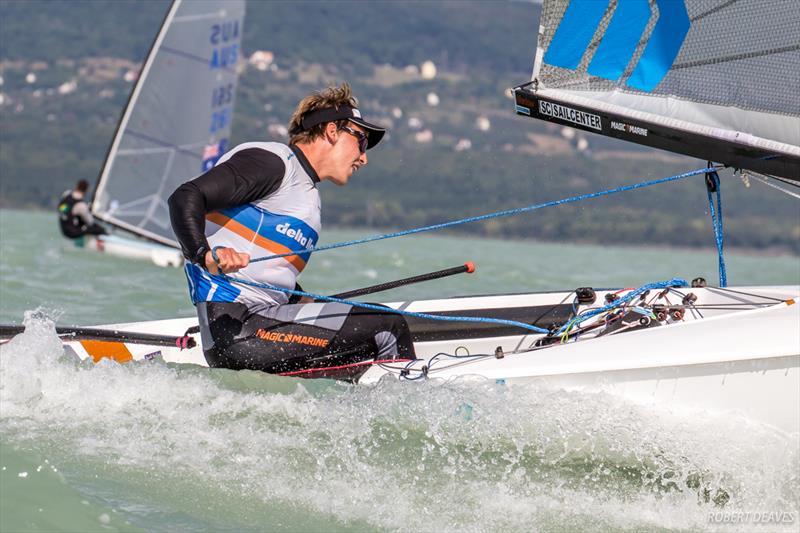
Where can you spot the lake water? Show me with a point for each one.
(163, 448)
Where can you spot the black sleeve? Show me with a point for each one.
(247, 176)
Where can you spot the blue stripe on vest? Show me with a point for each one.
(619, 42)
(574, 33)
(663, 47)
(201, 284)
(285, 230)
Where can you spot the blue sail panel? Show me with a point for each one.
(574, 33)
(663, 47)
(619, 42)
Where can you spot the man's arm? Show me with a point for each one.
(247, 176)
(81, 209)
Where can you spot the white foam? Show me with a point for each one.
(461, 456)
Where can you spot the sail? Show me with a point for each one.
(177, 121)
(714, 79)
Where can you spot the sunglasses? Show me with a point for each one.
(362, 137)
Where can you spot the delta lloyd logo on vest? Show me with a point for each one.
(619, 42)
(296, 234)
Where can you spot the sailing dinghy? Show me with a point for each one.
(175, 126)
(650, 73)
(713, 349)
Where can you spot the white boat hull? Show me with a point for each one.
(737, 359)
(138, 250)
(717, 363)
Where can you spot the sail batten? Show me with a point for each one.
(177, 121)
(672, 74)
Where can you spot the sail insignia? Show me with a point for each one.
(675, 75)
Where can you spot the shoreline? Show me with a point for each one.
(774, 251)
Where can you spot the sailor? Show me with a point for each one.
(74, 217)
(261, 199)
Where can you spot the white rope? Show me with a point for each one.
(763, 179)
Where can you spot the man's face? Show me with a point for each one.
(346, 156)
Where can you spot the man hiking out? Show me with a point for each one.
(261, 199)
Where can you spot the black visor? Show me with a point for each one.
(331, 114)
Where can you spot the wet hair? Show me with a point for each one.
(82, 186)
(330, 97)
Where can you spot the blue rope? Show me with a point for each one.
(506, 213)
(713, 186)
(716, 216)
(383, 308)
(675, 282)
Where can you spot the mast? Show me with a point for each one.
(176, 123)
(124, 117)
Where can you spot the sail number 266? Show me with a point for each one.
(222, 95)
(221, 105)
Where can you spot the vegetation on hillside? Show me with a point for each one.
(48, 140)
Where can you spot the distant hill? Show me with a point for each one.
(435, 165)
(72, 29)
(357, 34)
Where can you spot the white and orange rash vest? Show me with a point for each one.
(261, 198)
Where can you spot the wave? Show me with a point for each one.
(176, 446)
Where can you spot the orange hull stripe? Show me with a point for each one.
(246, 233)
(107, 349)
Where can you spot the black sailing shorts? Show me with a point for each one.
(306, 340)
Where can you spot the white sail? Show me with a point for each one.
(177, 121)
(715, 79)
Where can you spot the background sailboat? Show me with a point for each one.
(175, 126)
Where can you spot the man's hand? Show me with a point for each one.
(229, 261)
